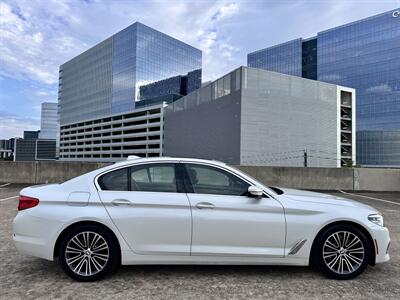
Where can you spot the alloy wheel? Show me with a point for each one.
(343, 252)
(87, 253)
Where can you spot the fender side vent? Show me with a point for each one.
(297, 247)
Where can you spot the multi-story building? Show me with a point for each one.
(257, 117)
(108, 78)
(5, 144)
(5, 154)
(31, 134)
(114, 137)
(34, 149)
(49, 126)
(364, 55)
(5, 149)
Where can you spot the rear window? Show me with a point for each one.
(115, 180)
(144, 178)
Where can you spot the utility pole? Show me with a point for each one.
(305, 158)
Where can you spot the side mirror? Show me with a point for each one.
(255, 191)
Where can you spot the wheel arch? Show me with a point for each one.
(350, 223)
(65, 231)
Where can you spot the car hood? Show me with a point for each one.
(321, 198)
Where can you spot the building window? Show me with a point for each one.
(237, 80)
(227, 84)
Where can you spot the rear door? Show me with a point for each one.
(227, 221)
(148, 205)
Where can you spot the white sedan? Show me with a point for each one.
(190, 211)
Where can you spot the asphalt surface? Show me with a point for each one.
(30, 278)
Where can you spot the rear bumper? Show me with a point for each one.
(382, 240)
(34, 236)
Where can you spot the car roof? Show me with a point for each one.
(135, 160)
(139, 160)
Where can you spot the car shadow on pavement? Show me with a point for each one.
(215, 270)
(48, 270)
(52, 270)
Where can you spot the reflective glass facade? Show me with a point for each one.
(124, 70)
(172, 86)
(49, 126)
(284, 58)
(160, 57)
(85, 84)
(309, 58)
(106, 79)
(365, 55)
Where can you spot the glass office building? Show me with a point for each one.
(364, 55)
(284, 58)
(49, 126)
(107, 78)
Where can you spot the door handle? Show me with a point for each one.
(121, 202)
(202, 205)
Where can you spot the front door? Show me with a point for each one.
(227, 221)
(149, 208)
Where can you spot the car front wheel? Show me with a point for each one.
(88, 252)
(342, 252)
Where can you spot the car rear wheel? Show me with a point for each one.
(342, 252)
(88, 253)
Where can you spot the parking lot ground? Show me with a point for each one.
(23, 277)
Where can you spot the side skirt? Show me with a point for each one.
(129, 258)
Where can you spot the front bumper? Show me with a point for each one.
(382, 240)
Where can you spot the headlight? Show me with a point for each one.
(376, 218)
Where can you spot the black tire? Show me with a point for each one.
(345, 256)
(95, 259)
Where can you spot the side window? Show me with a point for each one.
(115, 180)
(153, 178)
(211, 180)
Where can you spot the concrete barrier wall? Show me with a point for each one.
(303, 178)
(18, 172)
(43, 172)
(359, 179)
(369, 179)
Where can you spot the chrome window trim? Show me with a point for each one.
(96, 178)
(266, 192)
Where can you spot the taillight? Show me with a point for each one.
(27, 202)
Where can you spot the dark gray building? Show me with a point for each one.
(6, 149)
(5, 144)
(257, 117)
(34, 149)
(5, 154)
(108, 78)
(364, 55)
(31, 135)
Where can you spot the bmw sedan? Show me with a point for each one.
(189, 211)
